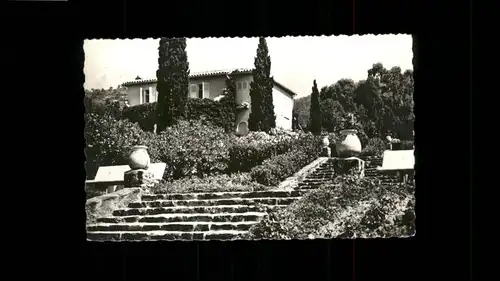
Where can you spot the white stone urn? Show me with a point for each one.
(326, 141)
(350, 146)
(139, 158)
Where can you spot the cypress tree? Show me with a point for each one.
(262, 116)
(315, 111)
(229, 101)
(173, 81)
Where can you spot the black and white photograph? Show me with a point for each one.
(256, 138)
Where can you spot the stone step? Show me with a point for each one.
(323, 170)
(325, 173)
(219, 195)
(221, 209)
(313, 180)
(214, 202)
(320, 177)
(163, 235)
(173, 227)
(308, 187)
(163, 218)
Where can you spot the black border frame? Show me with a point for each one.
(49, 61)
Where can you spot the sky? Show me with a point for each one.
(295, 61)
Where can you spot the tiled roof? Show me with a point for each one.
(207, 74)
(192, 75)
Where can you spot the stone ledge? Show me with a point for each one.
(139, 178)
(104, 205)
(213, 202)
(191, 210)
(175, 226)
(163, 235)
(237, 217)
(221, 195)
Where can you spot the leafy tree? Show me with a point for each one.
(382, 103)
(315, 111)
(342, 91)
(173, 81)
(332, 115)
(106, 101)
(301, 110)
(262, 116)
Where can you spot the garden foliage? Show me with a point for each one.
(347, 208)
(278, 167)
(219, 183)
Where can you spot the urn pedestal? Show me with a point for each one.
(350, 146)
(139, 175)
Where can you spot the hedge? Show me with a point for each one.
(218, 183)
(251, 150)
(277, 168)
(219, 113)
(189, 148)
(144, 115)
(108, 141)
(347, 208)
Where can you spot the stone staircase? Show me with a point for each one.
(371, 164)
(324, 173)
(209, 216)
(197, 216)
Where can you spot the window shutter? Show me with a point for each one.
(151, 94)
(206, 90)
(140, 95)
(193, 91)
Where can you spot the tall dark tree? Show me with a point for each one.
(229, 99)
(173, 81)
(262, 116)
(315, 111)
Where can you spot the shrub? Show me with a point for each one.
(277, 168)
(107, 107)
(251, 150)
(188, 148)
(346, 208)
(144, 115)
(374, 147)
(407, 144)
(219, 183)
(191, 148)
(108, 141)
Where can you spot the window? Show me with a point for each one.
(146, 96)
(241, 85)
(200, 91)
(193, 91)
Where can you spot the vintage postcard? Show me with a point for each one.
(249, 138)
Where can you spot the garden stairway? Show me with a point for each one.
(371, 164)
(195, 216)
(324, 174)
